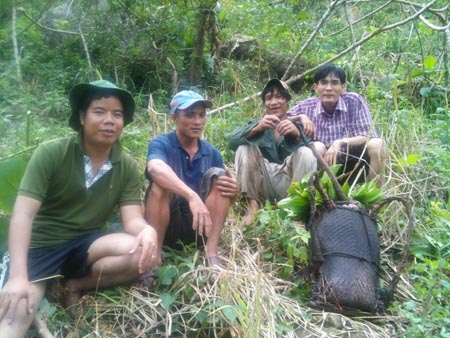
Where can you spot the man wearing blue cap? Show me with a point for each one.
(190, 192)
(69, 189)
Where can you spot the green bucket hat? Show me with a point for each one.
(101, 87)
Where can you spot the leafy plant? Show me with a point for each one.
(298, 202)
(283, 241)
(11, 171)
(428, 311)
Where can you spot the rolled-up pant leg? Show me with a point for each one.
(258, 178)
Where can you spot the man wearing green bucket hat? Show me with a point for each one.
(70, 188)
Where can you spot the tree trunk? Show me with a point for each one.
(205, 10)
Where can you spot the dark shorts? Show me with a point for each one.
(356, 159)
(180, 230)
(69, 259)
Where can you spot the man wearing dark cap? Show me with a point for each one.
(270, 152)
(69, 189)
(190, 192)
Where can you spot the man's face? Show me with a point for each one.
(103, 121)
(276, 104)
(328, 90)
(190, 122)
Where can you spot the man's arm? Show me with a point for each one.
(238, 136)
(308, 126)
(18, 286)
(134, 223)
(333, 150)
(163, 175)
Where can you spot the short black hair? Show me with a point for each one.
(87, 99)
(327, 69)
(271, 85)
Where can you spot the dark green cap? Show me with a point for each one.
(102, 87)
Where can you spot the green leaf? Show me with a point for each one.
(445, 284)
(201, 316)
(416, 73)
(11, 172)
(167, 299)
(167, 274)
(230, 313)
(46, 309)
(410, 160)
(429, 62)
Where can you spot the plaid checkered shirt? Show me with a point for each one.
(90, 178)
(350, 118)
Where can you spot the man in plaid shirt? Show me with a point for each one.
(341, 125)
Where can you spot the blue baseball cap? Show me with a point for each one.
(185, 99)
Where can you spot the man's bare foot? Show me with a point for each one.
(71, 294)
(250, 215)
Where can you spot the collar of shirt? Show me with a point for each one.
(89, 174)
(116, 150)
(200, 152)
(340, 107)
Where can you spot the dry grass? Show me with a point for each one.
(246, 300)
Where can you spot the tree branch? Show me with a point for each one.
(433, 26)
(375, 11)
(311, 37)
(358, 60)
(15, 45)
(45, 27)
(85, 46)
(340, 54)
(363, 40)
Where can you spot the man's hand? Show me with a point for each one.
(332, 152)
(201, 219)
(268, 121)
(287, 127)
(227, 185)
(308, 127)
(147, 239)
(14, 291)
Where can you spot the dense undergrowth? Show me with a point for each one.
(265, 260)
(264, 293)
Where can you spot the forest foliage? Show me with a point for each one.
(395, 53)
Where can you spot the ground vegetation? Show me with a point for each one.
(395, 53)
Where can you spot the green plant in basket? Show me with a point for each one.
(298, 204)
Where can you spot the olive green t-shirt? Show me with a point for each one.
(55, 176)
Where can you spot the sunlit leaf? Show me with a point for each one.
(11, 172)
(429, 62)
